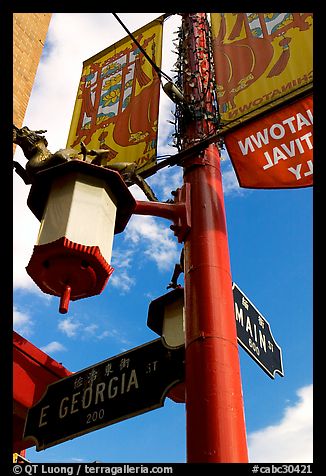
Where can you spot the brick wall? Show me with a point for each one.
(30, 31)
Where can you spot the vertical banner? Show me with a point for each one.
(276, 150)
(116, 108)
(260, 60)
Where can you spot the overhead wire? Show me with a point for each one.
(165, 160)
(156, 68)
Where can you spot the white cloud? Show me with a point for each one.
(122, 262)
(69, 327)
(157, 242)
(25, 228)
(165, 181)
(230, 181)
(103, 335)
(22, 322)
(117, 336)
(90, 329)
(161, 246)
(72, 328)
(121, 280)
(167, 107)
(290, 440)
(52, 347)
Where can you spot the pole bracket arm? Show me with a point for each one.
(179, 212)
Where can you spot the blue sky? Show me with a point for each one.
(270, 242)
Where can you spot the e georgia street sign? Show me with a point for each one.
(255, 336)
(115, 389)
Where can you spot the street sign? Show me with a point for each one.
(115, 389)
(255, 336)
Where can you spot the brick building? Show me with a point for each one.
(30, 31)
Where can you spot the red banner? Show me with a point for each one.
(275, 151)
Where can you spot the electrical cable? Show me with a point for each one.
(166, 160)
(156, 68)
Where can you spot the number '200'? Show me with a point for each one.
(94, 416)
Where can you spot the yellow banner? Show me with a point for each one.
(260, 60)
(117, 103)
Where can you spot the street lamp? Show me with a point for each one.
(166, 317)
(80, 206)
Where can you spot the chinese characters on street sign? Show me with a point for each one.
(118, 388)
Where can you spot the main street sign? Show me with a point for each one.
(115, 389)
(255, 336)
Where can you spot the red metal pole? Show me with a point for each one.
(214, 402)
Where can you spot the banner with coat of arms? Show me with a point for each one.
(117, 103)
(261, 60)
